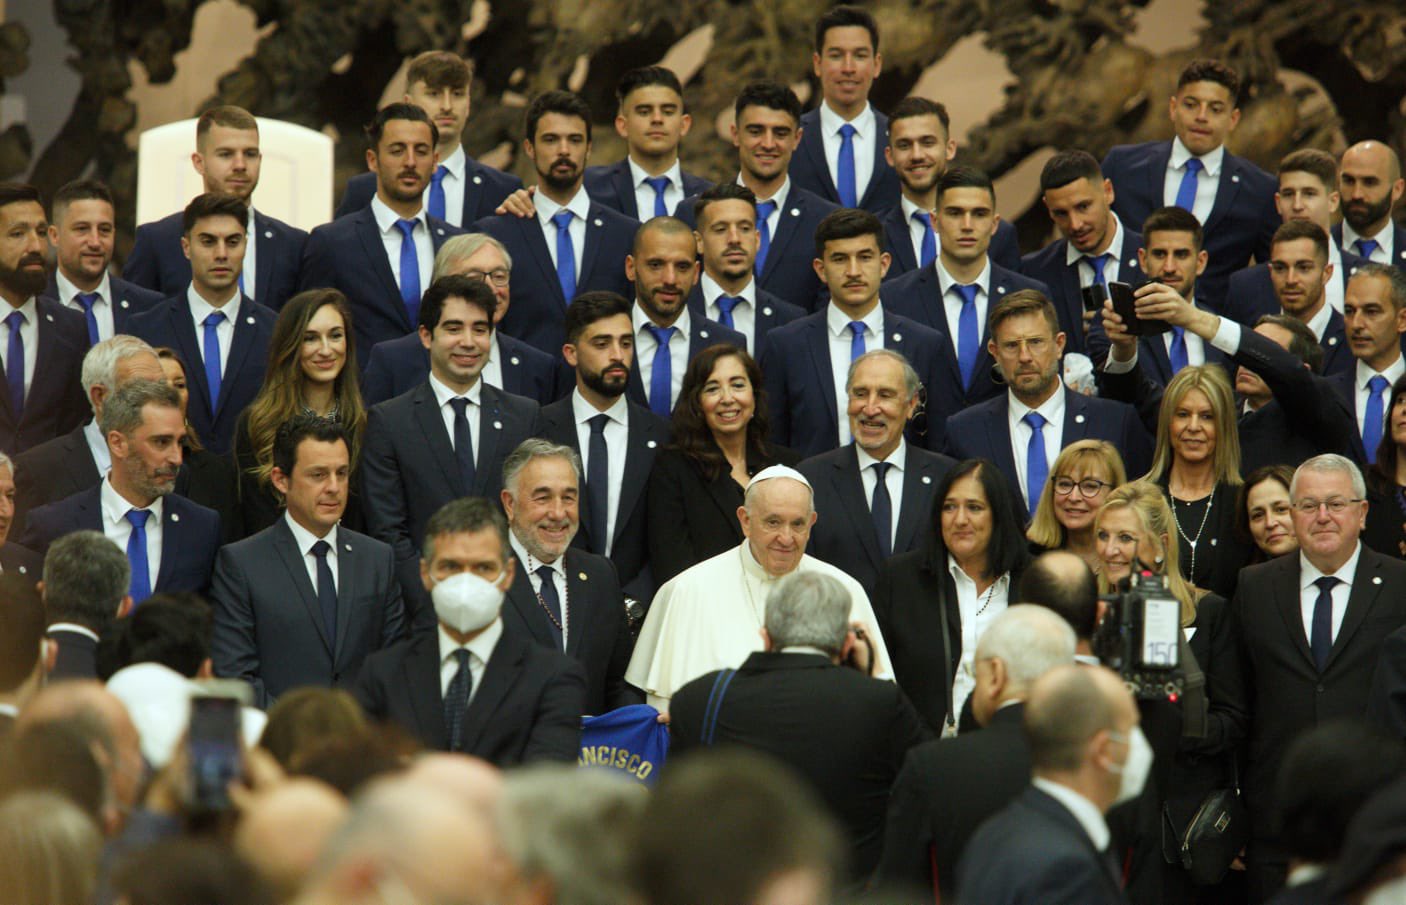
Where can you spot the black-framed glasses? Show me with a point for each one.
(1336, 505)
(1088, 488)
(498, 277)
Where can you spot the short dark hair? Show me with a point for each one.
(589, 307)
(842, 16)
(15, 192)
(476, 292)
(1207, 70)
(439, 69)
(1303, 345)
(1007, 550)
(847, 223)
(723, 191)
(304, 426)
(86, 576)
(213, 204)
(1294, 230)
(1076, 602)
(227, 116)
(1316, 163)
(1069, 165)
(172, 629)
(398, 110)
(563, 103)
(913, 106)
(79, 190)
(466, 515)
(768, 94)
(1022, 301)
(645, 77)
(1173, 219)
(962, 177)
(21, 630)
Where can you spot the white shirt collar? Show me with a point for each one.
(1114, 250)
(305, 539)
(583, 411)
(898, 458)
(1308, 572)
(909, 209)
(67, 290)
(1084, 811)
(481, 646)
(580, 205)
(387, 218)
(638, 175)
(115, 507)
(1052, 408)
(443, 394)
(73, 627)
(201, 309)
(710, 290)
(1210, 161)
(781, 193)
(684, 325)
(945, 280)
(1319, 323)
(838, 321)
(456, 162)
(1392, 373)
(830, 121)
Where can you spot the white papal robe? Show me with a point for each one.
(710, 617)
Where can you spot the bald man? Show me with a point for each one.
(1369, 180)
(283, 832)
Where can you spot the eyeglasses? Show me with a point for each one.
(1336, 505)
(1088, 488)
(497, 277)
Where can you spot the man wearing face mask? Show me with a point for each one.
(1051, 844)
(469, 686)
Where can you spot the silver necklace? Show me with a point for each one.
(1192, 541)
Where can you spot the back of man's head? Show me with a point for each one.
(282, 833)
(1063, 582)
(1029, 641)
(172, 629)
(808, 609)
(1066, 708)
(86, 576)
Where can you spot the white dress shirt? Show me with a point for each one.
(841, 340)
(1365, 373)
(1111, 268)
(455, 166)
(1308, 591)
(1319, 322)
(580, 205)
(773, 220)
(29, 335)
(893, 480)
(473, 412)
(305, 540)
(391, 239)
(102, 308)
(1053, 432)
(646, 345)
(916, 230)
(119, 530)
(249, 268)
(644, 192)
(1385, 251)
(744, 313)
(1334, 289)
(952, 301)
(617, 436)
(97, 445)
(866, 128)
(1084, 811)
(480, 649)
(224, 331)
(1206, 182)
(558, 573)
(977, 612)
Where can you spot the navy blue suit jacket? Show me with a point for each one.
(1048, 265)
(1398, 243)
(1242, 220)
(190, 535)
(702, 333)
(984, 432)
(1345, 384)
(898, 242)
(538, 313)
(158, 263)
(398, 365)
(127, 299)
(171, 324)
(612, 186)
(800, 386)
(55, 403)
(918, 296)
(789, 273)
(1252, 294)
(770, 312)
(484, 189)
(809, 170)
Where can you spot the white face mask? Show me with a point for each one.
(467, 603)
(1133, 772)
(1393, 893)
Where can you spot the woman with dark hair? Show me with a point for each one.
(933, 604)
(205, 478)
(1264, 519)
(311, 368)
(1386, 482)
(696, 485)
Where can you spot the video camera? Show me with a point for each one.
(1139, 637)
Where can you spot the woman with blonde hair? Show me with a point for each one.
(49, 850)
(1083, 474)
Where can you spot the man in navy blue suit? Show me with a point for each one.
(919, 151)
(461, 189)
(1371, 184)
(170, 541)
(807, 362)
(398, 365)
(953, 294)
(1300, 272)
(841, 154)
(766, 131)
(82, 229)
(649, 182)
(1374, 318)
(1023, 429)
(663, 266)
(221, 335)
(227, 158)
(727, 290)
(564, 242)
(1229, 195)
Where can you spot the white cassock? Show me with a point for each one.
(710, 617)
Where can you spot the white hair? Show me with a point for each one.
(100, 364)
(1030, 639)
(1331, 463)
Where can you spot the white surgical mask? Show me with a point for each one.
(1132, 773)
(467, 603)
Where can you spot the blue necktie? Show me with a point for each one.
(881, 509)
(1098, 262)
(409, 269)
(436, 204)
(1320, 640)
(968, 337)
(566, 254)
(1186, 192)
(598, 483)
(140, 586)
(929, 249)
(456, 701)
(661, 374)
(463, 442)
(326, 592)
(1365, 247)
(844, 171)
(659, 184)
(88, 300)
(14, 363)
(551, 601)
(1176, 354)
(213, 371)
(1373, 417)
(1037, 467)
(856, 342)
(764, 212)
(725, 305)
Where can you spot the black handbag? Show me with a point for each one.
(1213, 838)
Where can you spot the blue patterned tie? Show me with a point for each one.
(929, 249)
(881, 509)
(1365, 247)
(14, 363)
(968, 337)
(566, 254)
(1176, 353)
(213, 371)
(1320, 640)
(659, 184)
(764, 212)
(725, 305)
(409, 269)
(326, 591)
(598, 483)
(140, 586)
(661, 375)
(1186, 192)
(88, 300)
(1037, 467)
(844, 171)
(456, 700)
(1098, 262)
(463, 442)
(1373, 417)
(856, 342)
(436, 204)
(551, 601)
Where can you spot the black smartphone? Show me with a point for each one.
(1094, 296)
(216, 747)
(1126, 308)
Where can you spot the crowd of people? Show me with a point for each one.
(631, 538)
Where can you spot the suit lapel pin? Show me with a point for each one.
(581, 575)
(795, 212)
(1332, 340)
(598, 222)
(767, 311)
(1213, 541)
(175, 516)
(123, 303)
(1235, 178)
(898, 337)
(23, 570)
(497, 425)
(651, 444)
(927, 479)
(1078, 419)
(1001, 290)
(515, 360)
(1376, 579)
(49, 318)
(1403, 254)
(1132, 262)
(268, 234)
(703, 334)
(478, 180)
(346, 547)
(439, 231)
(249, 321)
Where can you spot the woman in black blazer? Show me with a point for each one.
(977, 526)
(697, 482)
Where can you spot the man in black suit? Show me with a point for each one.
(85, 589)
(445, 439)
(82, 231)
(616, 439)
(1309, 629)
(1051, 843)
(947, 788)
(808, 700)
(14, 559)
(461, 189)
(563, 597)
(25, 658)
(227, 158)
(663, 265)
(1371, 184)
(304, 601)
(1374, 320)
(727, 292)
(381, 256)
(954, 293)
(222, 335)
(471, 685)
(37, 331)
(874, 497)
(766, 132)
(649, 182)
